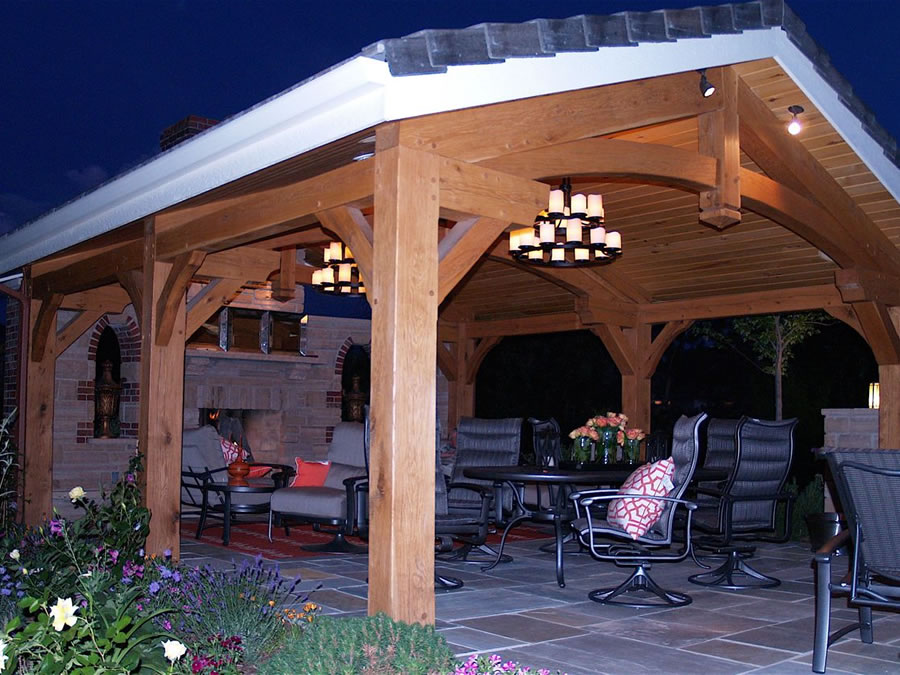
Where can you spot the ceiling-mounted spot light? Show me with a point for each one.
(707, 88)
(795, 126)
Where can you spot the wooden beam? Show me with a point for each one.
(44, 325)
(284, 284)
(447, 361)
(97, 270)
(462, 247)
(661, 343)
(788, 161)
(741, 304)
(203, 305)
(546, 323)
(308, 236)
(864, 285)
(109, 243)
(355, 231)
(161, 402)
(476, 134)
(76, 328)
(846, 314)
(246, 263)
(404, 293)
(473, 361)
(718, 136)
(620, 346)
(106, 298)
(481, 191)
(171, 302)
(266, 213)
(40, 378)
(879, 331)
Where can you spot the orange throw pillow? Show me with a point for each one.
(259, 471)
(310, 474)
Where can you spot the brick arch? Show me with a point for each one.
(128, 334)
(333, 399)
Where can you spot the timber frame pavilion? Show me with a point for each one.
(721, 212)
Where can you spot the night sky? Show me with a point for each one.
(86, 87)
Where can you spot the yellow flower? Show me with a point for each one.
(174, 650)
(76, 493)
(63, 613)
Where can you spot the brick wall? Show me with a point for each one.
(851, 427)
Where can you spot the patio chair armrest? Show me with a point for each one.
(824, 554)
(591, 498)
(485, 491)
(779, 496)
(712, 492)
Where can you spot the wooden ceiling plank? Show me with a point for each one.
(476, 134)
(461, 249)
(261, 214)
(785, 159)
(212, 296)
(183, 269)
(352, 227)
(742, 304)
(718, 137)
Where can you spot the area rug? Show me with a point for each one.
(252, 539)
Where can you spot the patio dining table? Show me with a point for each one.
(559, 509)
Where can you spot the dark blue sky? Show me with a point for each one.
(86, 87)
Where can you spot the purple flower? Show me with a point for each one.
(114, 556)
(167, 624)
(154, 588)
(167, 553)
(176, 576)
(55, 527)
(129, 477)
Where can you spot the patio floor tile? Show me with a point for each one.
(522, 628)
(738, 651)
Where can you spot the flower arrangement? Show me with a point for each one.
(611, 432)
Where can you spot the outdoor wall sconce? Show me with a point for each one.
(874, 394)
(795, 126)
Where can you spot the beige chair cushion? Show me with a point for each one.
(320, 502)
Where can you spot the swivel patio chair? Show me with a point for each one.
(334, 503)
(744, 509)
(868, 485)
(721, 450)
(547, 447)
(657, 543)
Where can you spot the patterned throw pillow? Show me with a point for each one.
(310, 474)
(636, 516)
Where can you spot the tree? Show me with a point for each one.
(767, 341)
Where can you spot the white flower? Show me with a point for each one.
(76, 492)
(14, 554)
(174, 650)
(63, 613)
(4, 657)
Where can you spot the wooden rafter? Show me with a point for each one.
(212, 296)
(265, 213)
(462, 247)
(476, 190)
(96, 270)
(355, 231)
(476, 134)
(43, 325)
(718, 136)
(172, 296)
(75, 328)
(787, 160)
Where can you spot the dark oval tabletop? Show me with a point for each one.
(612, 473)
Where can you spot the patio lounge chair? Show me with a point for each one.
(868, 484)
(333, 503)
(656, 544)
(744, 508)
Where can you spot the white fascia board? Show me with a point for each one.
(848, 126)
(335, 104)
(470, 86)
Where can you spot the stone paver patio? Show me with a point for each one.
(518, 611)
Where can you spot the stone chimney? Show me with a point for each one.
(187, 128)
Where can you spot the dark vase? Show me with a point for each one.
(822, 527)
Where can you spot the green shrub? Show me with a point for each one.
(811, 499)
(371, 645)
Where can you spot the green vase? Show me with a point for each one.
(631, 451)
(608, 446)
(582, 449)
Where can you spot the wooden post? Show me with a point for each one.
(40, 380)
(161, 401)
(404, 288)
(889, 408)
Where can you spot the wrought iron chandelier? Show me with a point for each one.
(340, 275)
(570, 233)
